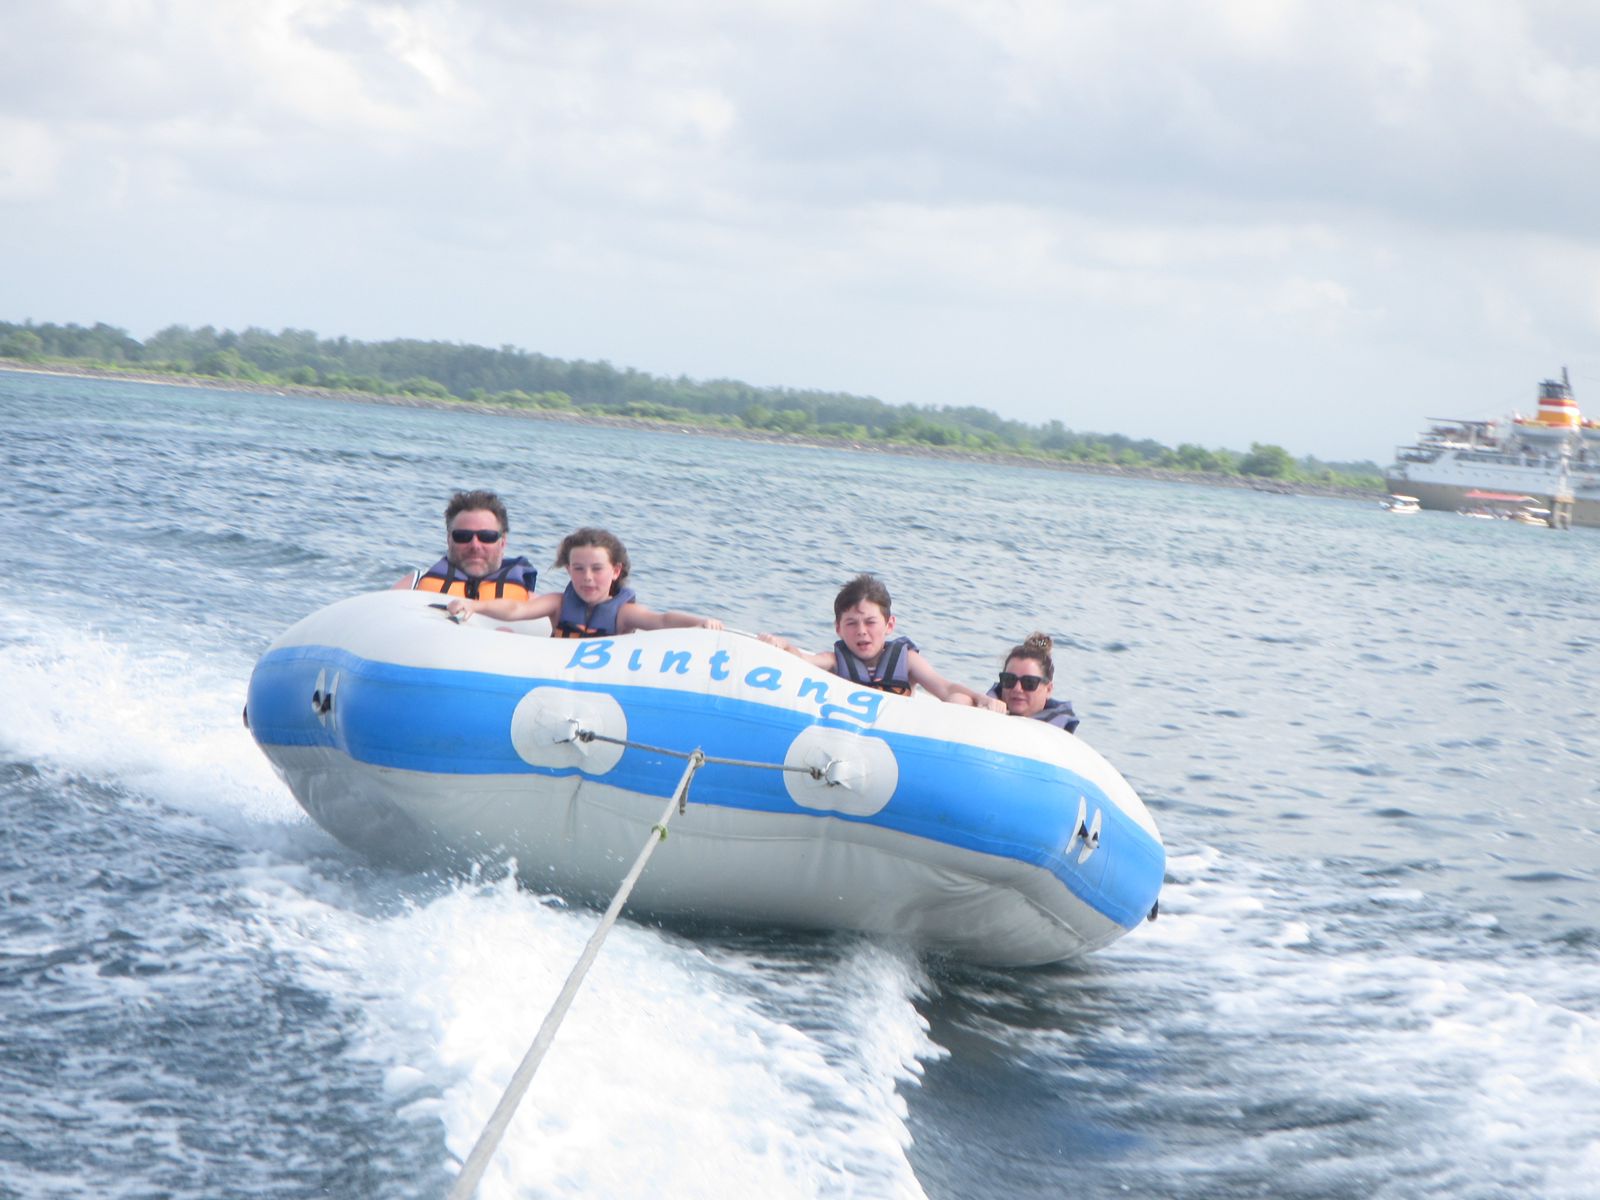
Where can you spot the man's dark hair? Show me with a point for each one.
(474, 501)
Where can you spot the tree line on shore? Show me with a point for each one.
(517, 379)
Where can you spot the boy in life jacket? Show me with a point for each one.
(595, 604)
(867, 655)
(474, 563)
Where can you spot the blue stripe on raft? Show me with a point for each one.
(387, 715)
(450, 722)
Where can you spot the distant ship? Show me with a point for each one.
(1551, 458)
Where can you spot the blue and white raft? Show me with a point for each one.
(421, 742)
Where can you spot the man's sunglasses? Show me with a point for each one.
(462, 536)
(1030, 683)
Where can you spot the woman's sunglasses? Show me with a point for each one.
(462, 536)
(1030, 683)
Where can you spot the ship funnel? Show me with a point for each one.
(1558, 411)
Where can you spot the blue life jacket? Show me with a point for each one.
(512, 580)
(892, 673)
(580, 620)
(1058, 713)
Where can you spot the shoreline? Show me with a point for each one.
(998, 457)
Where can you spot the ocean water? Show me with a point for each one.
(1370, 743)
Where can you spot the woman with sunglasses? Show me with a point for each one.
(1025, 684)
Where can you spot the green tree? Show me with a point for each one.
(24, 344)
(228, 364)
(417, 385)
(1270, 462)
(1190, 457)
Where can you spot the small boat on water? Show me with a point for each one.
(425, 743)
(1400, 506)
(1505, 506)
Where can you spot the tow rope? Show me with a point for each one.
(489, 1140)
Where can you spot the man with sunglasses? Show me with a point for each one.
(474, 563)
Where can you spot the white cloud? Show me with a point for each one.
(29, 160)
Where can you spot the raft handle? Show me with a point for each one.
(823, 774)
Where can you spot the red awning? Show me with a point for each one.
(1508, 497)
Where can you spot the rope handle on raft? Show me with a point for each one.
(460, 618)
(824, 774)
(821, 774)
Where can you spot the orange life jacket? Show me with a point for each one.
(513, 580)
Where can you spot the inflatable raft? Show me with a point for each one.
(424, 743)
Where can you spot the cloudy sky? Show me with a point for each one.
(1308, 222)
